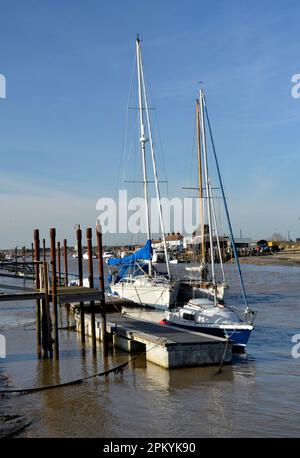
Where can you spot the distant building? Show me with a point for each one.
(194, 243)
(244, 243)
(173, 242)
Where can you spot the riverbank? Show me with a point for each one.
(284, 259)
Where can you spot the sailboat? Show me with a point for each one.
(209, 316)
(86, 256)
(137, 279)
(198, 284)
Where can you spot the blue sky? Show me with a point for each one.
(68, 67)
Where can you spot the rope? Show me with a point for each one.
(223, 357)
(115, 370)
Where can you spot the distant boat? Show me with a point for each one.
(107, 255)
(86, 256)
(8, 257)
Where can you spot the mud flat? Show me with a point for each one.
(10, 424)
(287, 259)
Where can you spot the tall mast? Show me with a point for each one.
(200, 187)
(143, 138)
(208, 194)
(217, 232)
(154, 168)
(226, 209)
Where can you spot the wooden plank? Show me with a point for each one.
(64, 295)
(21, 296)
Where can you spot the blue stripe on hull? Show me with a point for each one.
(239, 337)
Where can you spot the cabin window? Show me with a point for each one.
(188, 316)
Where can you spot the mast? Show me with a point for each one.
(143, 139)
(217, 232)
(226, 210)
(200, 187)
(207, 188)
(154, 167)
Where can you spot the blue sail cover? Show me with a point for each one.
(143, 253)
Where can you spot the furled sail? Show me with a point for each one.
(144, 253)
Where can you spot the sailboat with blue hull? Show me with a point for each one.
(208, 315)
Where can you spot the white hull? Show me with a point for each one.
(145, 291)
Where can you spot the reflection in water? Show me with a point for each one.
(255, 396)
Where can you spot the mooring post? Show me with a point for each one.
(48, 325)
(44, 250)
(66, 262)
(32, 253)
(59, 263)
(80, 279)
(36, 238)
(24, 261)
(16, 260)
(91, 285)
(101, 281)
(66, 275)
(54, 291)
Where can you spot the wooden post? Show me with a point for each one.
(36, 237)
(101, 281)
(44, 250)
(66, 277)
(16, 260)
(54, 291)
(48, 325)
(59, 263)
(66, 262)
(24, 261)
(80, 278)
(91, 285)
(32, 252)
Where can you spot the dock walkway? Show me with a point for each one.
(166, 346)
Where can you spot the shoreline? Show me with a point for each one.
(275, 259)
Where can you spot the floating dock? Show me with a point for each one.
(166, 346)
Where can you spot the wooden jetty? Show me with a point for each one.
(51, 290)
(166, 346)
(163, 345)
(113, 304)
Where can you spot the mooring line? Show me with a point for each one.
(116, 370)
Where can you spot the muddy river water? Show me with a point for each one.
(257, 396)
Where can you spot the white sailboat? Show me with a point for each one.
(86, 256)
(137, 279)
(198, 284)
(209, 316)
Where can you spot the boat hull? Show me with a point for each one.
(147, 295)
(238, 337)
